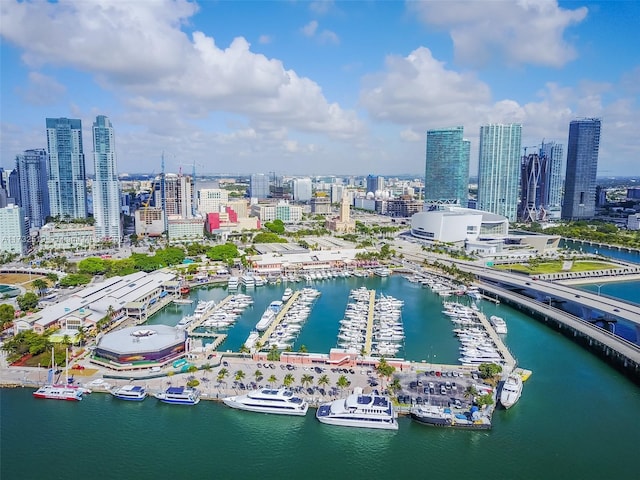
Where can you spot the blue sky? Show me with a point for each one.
(320, 87)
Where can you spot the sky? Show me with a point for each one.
(316, 87)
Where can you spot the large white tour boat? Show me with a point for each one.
(133, 393)
(266, 400)
(360, 410)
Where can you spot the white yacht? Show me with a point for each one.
(499, 325)
(267, 317)
(252, 339)
(233, 283)
(184, 321)
(360, 410)
(179, 396)
(382, 272)
(286, 295)
(281, 401)
(133, 393)
(248, 281)
(202, 308)
(511, 390)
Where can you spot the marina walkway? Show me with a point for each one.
(510, 362)
(371, 313)
(283, 311)
(199, 321)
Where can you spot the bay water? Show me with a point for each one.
(577, 418)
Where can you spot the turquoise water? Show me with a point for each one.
(577, 418)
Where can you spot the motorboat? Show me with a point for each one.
(233, 283)
(498, 323)
(360, 410)
(202, 308)
(252, 339)
(286, 295)
(267, 317)
(511, 390)
(432, 415)
(179, 396)
(134, 393)
(185, 321)
(280, 401)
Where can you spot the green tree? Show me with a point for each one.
(384, 370)
(288, 380)
(239, 375)
(395, 385)
(222, 374)
(92, 266)
(274, 354)
(323, 381)
(489, 370)
(303, 349)
(342, 382)
(7, 314)
(257, 375)
(484, 399)
(28, 301)
(277, 226)
(272, 380)
(225, 252)
(244, 349)
(306, 380)
(40, 285)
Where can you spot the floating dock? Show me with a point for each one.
(283, 311)
(370, 316)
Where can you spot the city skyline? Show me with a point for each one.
(316, 87)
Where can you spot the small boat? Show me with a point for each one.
(53, 391)
(133, 393)
(511, 390)
(432, 415)
(179, 396)
(286, 295)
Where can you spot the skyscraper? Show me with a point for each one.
(66, 169)
(582, 166)
(499, 169)
(375, 183)
(259, 186)
(446, 179)
(553, 152)
(106, 188)
(302, 189)
(31, 166)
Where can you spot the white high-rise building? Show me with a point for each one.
(13, 234)
(106, 188)
(302, 189)
(210, 200)
(499, 169)
(34, 194)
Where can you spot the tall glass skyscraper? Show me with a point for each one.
(259, 186)
(34, 194)
(106, 188)
(553, 152)
(375, 183)
(582, 166)
(499, 169)
(67, 177)
(446, 178)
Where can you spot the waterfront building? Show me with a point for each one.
(66, 236)
(106, 188)
(447, 167)
(582, 166)
(31, 166)
(13, 234)
(66, 169)
(499, 169)
(554, 154)
(280, 211)
(259, 186)
(211, 200)
(375, 183)
(302, 189)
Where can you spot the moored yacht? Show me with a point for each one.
(498, 323)
(58, 392)
(280, 401)
(179, 396)
(511, 390)
(360, 410)
(133, 393)
(267, 317)
(286, 295)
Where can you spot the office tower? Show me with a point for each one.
(13, 190)
(532, 188)
(499, 169)
(66, 169)
(177, 195)
(13, 234)
(447, 167)
(212, 200)
(337, 191)
(582, 166)
(31, 166)
(302, 189)
(375, 183)
(259, 186)
(554, 154)
(106, 188)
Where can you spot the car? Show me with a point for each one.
(413, 385)
(431, 385)
(225, 364)
(77, 366)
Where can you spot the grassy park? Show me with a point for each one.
(556, 266)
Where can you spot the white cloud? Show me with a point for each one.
(323, 37)
(523, 31)
(41, 89)
(310, 29)
(265, 39)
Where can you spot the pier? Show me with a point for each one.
(370, 316)
(510, 362)
(198, 322)
(283, 311)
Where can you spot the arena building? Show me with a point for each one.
(140, 346)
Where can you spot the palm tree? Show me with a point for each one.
(395, 385)
(306, 379)
(239, 375)
(40, 285)
(288, 380)
(303, 349)
(272, 380)
(323, 381)
(222, 374)
(244, 350)
(258, 375)
(343, 382)
(384, 370)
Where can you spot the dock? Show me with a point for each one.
(198, 322)
(283, 311)
(495, 338)
(370, 316)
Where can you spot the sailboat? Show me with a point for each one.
(53, 391)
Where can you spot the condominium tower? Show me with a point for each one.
(582, 166)
(106, 188)
(31, 166)
(67, 178)
(446, 179)
(259, 186)
(499, 169)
